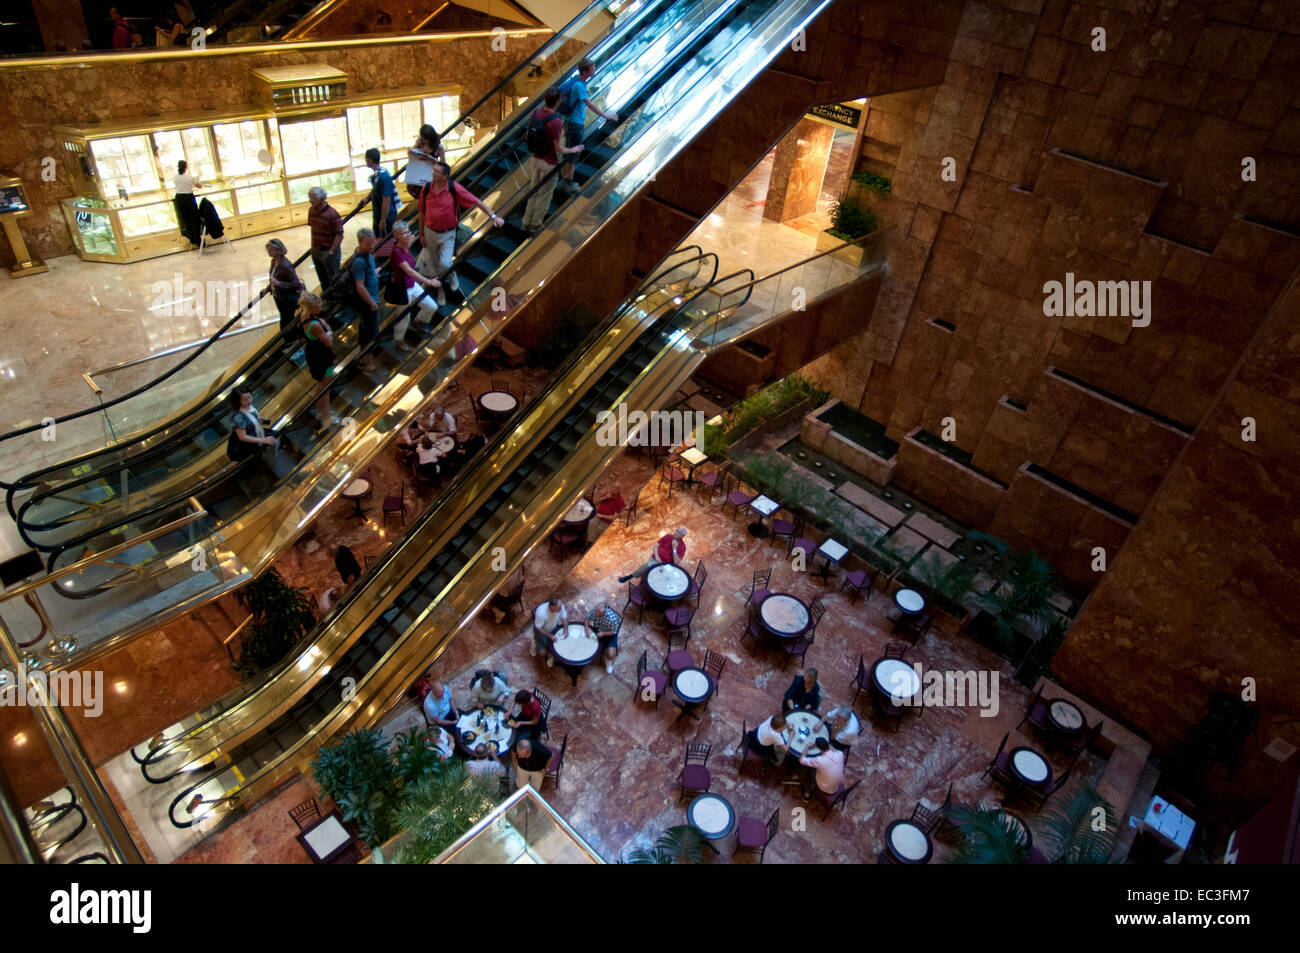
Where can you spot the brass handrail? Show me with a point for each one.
(123, 365)
(812, 258)
(82, 564)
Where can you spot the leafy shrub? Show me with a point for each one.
(358, 774)
(282, 616)
(877, 183)
(851, 219)
(439, 808)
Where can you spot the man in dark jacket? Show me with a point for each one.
(804, 694)
(346, 563)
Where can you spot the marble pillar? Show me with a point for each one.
(61, 20)
(797, 171)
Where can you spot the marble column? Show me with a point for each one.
(797, 171)
(61, 20)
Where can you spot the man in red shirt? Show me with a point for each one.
(440, 205)
(540, 164)
(121, 30)
(669, 549)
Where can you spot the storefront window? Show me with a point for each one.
(401, 124)
(198, 151)
(126, 163)
(160, 217)
(238, 145)
(441, 111)
(94, 227)
(313, 145)
(334, 184)
(363, 128)
(257, 198)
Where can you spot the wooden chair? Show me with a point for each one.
(753, 835)
(543, 700)
(396, 504)
(653, 679)
(859, 581)
(695, 777)
(838, 799)
(636, 597)
(759, 587)
(556, 763)
(306, 811)
(734, 496)
(679, 656)
(714, 663)
(748, 756)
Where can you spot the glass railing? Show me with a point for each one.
(522, 829)
(798, 286)
(88, 429)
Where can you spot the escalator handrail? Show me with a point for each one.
(32, 428)
(687, 255)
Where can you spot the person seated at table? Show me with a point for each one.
(440, 422)
(442, 743)
(804, 694)
(527, 721)
(531, 758)
(549, 619)
(844, 726)
(438, 707)
(828, 768)
(603, 622)
(489, 689)
(669, 549)
(484, 762)
(428, 455)
(771, 739)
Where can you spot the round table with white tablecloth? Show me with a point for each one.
(897, 679)
(804, 731)
(667, 581)
(784, 615)
(908, 843)
(909, 601)
(1031, 767)
(692, 686)
(712, 815)
(486, 725)
(580, 513)
(575, 650)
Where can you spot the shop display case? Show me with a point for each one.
(254, 164)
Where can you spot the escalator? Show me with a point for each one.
(653, 73)
(540, 479)
(248, 733)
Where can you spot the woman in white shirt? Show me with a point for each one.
(187, 209)
(429, 455)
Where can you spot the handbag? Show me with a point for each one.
(395, 287)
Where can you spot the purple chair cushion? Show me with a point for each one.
(782, 528)
(679, 660)
(751, 832)
(676, 617)
(760, 595)
(696, 777)
(856, 578)
(807, 545)
(738, 498)
(660, 680)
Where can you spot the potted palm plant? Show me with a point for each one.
(988, 836)
(850, 219)
(281, 616)
(1083, 832)
(681, 844)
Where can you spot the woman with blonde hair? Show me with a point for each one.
(319, 353)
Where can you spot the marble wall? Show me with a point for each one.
(797, 171)
(68, 91)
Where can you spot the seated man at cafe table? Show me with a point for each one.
(804, 694)
(441, 422)
(771, 739)
(531, 758)
(484, 762)
(828, 768)
(489, 689)
(442, 743)
(527, 721)
(844, 726)
(550, 618)
(438, 707)
(670, 548)
(603, 623)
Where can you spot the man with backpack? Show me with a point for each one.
(574, 103)
(545, 128)
(440, 205)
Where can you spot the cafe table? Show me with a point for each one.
(498, 405)
(907, 843)
(1030, 767)
(667, 582)
(579, 514)
(909, 601)
(764, 506)
(693, 686)
(575, 650)
(713, 816)
(831, 551)
(784, 615)
(692, 458)
(897, 681)
(356, 491)
(804, 731)
(486, 725)
(328, 841)
(1065, 716)
(446, 443)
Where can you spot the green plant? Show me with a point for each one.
(564, 337)
(851, 219)
(282, 616)
(681, 844)
(1021, 597)
(1039, 661)
(358, 774)
(1215, 741)
(885, 554)
(760, 407)
(1071, 836)
(415, 756)
(877, 183)
(988, 836)
(439, 808)
(953, 581)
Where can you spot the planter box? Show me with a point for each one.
(853, 255)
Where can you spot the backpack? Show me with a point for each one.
(568, 99)
(538, 139)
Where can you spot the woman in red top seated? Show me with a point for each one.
(528, 719)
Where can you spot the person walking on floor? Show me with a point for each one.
(326, 237)
(187, 209)
(575, 100)
(545, 145)
(439, 213)
(346, 563)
